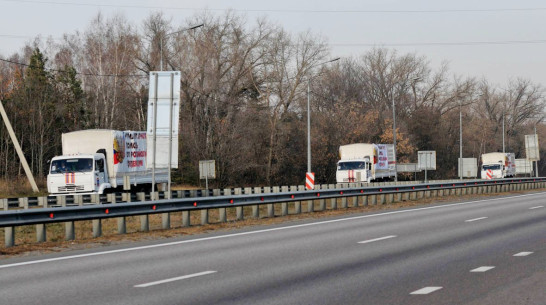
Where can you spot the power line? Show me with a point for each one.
(529, 9)
(78, 73)
(462, 43)
(408, 44)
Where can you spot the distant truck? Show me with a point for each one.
(498, 165)
(98, 160)
(363, 162)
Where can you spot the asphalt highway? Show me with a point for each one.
(488, 251)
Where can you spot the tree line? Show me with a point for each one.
(244, 91)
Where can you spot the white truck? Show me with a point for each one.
(498, 165)
(96, 160)
(362, 162)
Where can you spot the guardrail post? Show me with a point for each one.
(126, 197)
(204, 212)
(23, 202)
(239, 210)
(9, 236)
(97, 228)
(355, 201)
(78, 199)
(70, 233)
(297, 204)
(373, 199)
(256, 208)
(397, 197)
(343, 202)
(382, 199)
(270, 206)
(41, 233)
(9, 232)
(42, 201)
(122, 226)
(365, 200)
(333, 201)
(222, 212)
(186, 219)
(390, 198)
(145, 219)
(216, 193)
(311, 203)
(322, 202)
(284, 205)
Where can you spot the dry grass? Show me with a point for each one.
(20, 187)
(26, 235)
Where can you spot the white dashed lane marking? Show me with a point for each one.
(174, 279)
(376, 239)
(523, 254)
(482, 269)
(426, 290)
(537, 207)
(475, 219)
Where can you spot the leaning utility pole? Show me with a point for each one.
(18, 149)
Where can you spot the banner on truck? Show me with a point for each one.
(382, 157)
(129, 151)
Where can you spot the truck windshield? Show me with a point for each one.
(352, 165)
(82, 165)
(492, 167)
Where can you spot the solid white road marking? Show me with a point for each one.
(175, 243)
(174, 279)
(426, 290)
(523, 253)
(482, 269)
(537, 207)
(376, 239)
(475, 219)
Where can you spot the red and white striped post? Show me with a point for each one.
(310, 181)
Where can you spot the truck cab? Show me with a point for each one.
(81, 173)
(493, 171)
(352, 171)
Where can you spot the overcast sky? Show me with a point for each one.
(498, 40)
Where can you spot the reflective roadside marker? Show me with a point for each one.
(309, 181)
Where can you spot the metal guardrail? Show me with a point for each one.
(31, 216)
(79, 199)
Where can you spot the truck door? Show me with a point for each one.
(100, 173)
